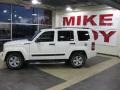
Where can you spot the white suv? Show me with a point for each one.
(73, 45)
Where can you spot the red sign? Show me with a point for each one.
(95, 21)
(104, 34)
(77, 20)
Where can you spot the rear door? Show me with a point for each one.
(65, 40)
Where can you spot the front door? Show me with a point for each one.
(44, 47)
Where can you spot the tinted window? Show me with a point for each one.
(23, 15)
(83, 35)
(44, 27)
(45, 17)
(65, 36)
(19, 22)
(5, 13)
(23, 31)
(5, 32)
(47, 36)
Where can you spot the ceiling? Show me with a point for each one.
(112, 3)
(117, 1)
(61, 3)
(64, 2)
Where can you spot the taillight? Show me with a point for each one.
(93, 46)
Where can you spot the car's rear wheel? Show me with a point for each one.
(77, 60)
(14, 61)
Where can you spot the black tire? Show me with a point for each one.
(77, 60)
(13, 58)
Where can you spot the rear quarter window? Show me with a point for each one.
(83, 35)
(65, 36)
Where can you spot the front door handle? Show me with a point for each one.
(52, 44)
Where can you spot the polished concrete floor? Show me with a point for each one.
(99, 73)
(107, 80)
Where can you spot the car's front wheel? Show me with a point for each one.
(77, 60)
(14, 61)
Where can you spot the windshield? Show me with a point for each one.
(36, 33)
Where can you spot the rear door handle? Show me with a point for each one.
(52, 44)
(72, 43)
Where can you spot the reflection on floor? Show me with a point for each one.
(28, 79)
(107, 80)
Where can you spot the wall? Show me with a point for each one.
(113, 46)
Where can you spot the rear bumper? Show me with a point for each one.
(91, 54)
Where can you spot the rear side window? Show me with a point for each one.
(83, 35)
(65, 36)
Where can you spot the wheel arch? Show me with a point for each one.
(78, 51)
(18, 52)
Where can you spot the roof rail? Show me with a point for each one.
(72, 27)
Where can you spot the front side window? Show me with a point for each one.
(46, 37)
(65, 36)
(83, 35)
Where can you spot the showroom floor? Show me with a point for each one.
(100, 73)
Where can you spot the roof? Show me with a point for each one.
(66, 28)
(72, 27)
